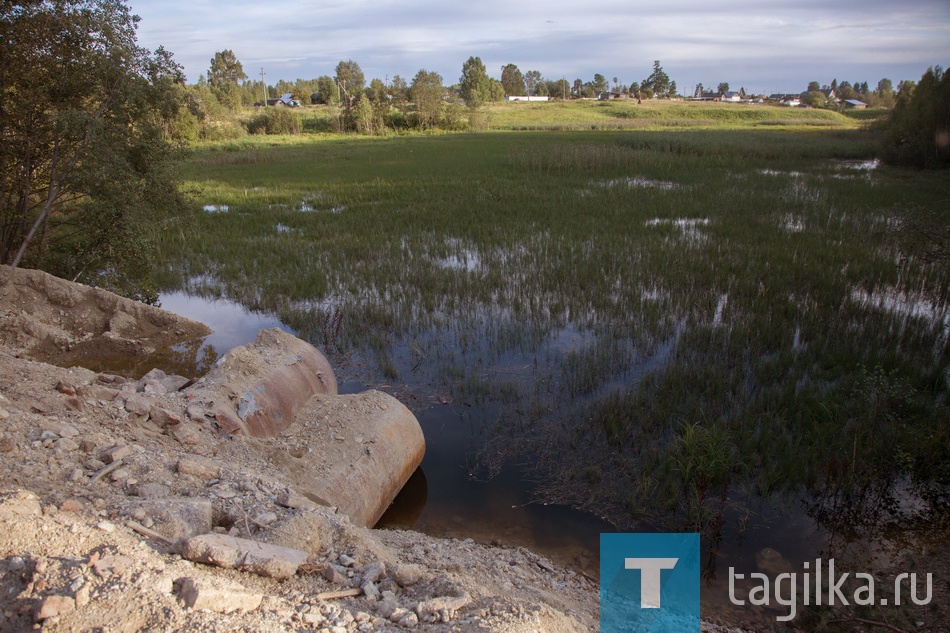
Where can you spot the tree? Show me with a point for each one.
(560, 89)
(918, 130)
(224, 77)
(723, 87)
(85, 178)
(885, 88)
(426, 93)
(326, 91)
(350, 82)
(658, 81)
(578, 87)
(512, 80)
(496, 90)
(225, 69)
(599, 84)
(474, 85)
(813, 86)
(532, 79)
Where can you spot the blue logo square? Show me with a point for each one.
(649, 583)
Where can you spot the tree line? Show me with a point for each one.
(90, 125)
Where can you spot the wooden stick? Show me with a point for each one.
(342, 593)
(106, 470)
(141, 529)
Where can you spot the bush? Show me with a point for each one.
(275, 120)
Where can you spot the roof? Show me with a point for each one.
(854, 102)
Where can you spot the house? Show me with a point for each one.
(854, 104)
(787, 99)
(526, 98)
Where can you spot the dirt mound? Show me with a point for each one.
(61, 322)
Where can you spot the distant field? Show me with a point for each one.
(583, 115)
(735, 304)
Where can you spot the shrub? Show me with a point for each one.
(275, 120)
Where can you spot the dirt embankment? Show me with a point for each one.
(105, 480)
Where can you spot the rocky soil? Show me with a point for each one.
(124, 507)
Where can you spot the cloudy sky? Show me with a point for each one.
(761, 45)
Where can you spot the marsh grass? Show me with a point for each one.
(735, 321)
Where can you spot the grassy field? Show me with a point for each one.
(668, 308)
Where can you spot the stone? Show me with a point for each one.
(65, 444)
(163, 417)
(72, 505)
(347, 561)
(200, 468)
(333, 575)
(116, 453)
(441, 609)
(137, 405)
(98, 392)
(263, 559)
(53, 606)
(290, 499)
(407, 574)
(218, 596)
(265, 518)
(373, 572)
(65, 388)
(178, 517)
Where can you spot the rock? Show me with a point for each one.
(373, 572)
(265, 518)
(52, 606)
(407, 574)
(347, 561)
(263, 559)
(116, 453)
(98, 392)
(137, 405)
(441, 609)
(290, 499)
(65, 388)
(164, 417)
(218, 596)
(72, 505)
(178, 517)
(200, 468)
(333, 576)
(65, 444)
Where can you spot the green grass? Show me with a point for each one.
(611, 290)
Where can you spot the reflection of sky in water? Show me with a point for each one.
(231, 323)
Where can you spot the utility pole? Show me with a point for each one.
(264, 87)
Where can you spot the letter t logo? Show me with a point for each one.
(650, 569)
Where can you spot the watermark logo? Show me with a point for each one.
(649, 583)
(819, 584)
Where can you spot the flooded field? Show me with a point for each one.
(733, 333)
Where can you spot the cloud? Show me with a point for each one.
(750, 42)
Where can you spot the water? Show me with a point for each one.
(452, 494)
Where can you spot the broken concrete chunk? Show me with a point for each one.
(218, 596)
(264, 559)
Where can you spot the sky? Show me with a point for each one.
(763, 46)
